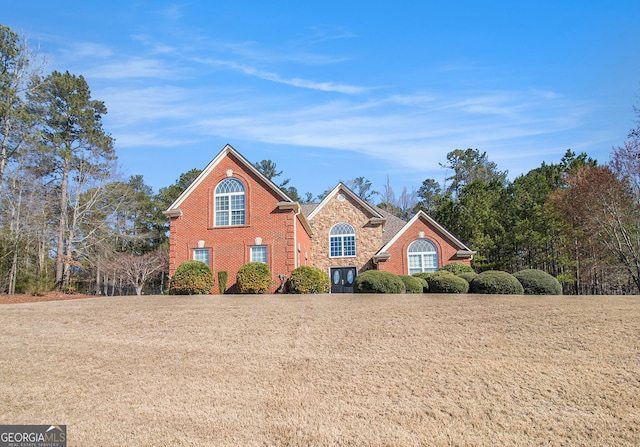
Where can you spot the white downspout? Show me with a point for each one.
(295, 237)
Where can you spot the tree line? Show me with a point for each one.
(69, 222)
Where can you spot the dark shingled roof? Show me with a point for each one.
(392, 227)
(307, 208)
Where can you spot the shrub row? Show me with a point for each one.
(194, 277)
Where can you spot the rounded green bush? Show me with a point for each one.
(444, 281)
(457, 267)
(191, 278)
(538, 282)
(412, 284)
(306, 279)
(496, 282)
(254, 277)
(423, 276)
(467, 276)
(376, 281)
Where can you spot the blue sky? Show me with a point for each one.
(335, 90)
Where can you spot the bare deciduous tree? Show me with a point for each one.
(137, 270)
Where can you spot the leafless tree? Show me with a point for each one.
(602, 210)
(137, 270)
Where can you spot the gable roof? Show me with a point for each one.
(463, 250)
(392, 227)
(374, 211)
(285, 203)
(227, 150)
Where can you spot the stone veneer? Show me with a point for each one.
(368, 236)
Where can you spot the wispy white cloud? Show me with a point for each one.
(397, 135)
(325, 86)
(87, 50)
(133, 68)
(323, 34)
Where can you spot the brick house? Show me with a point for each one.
(231, 214)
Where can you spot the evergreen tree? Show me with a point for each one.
(75, 151)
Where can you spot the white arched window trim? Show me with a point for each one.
(342, 241)
(422, 256)
(229, 198)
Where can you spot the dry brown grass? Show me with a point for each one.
(326, 370)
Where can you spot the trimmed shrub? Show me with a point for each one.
(412, 284)
(254, 277)
(496, 282)
(222, 281)
(467, 276)
(443, 281)
(191, 278)
(306, 279)
(376, 281)
(424, 276)
(457, 267)
(538, 282)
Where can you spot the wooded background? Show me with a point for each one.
(69, 221)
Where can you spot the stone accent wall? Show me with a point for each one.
(368, 237)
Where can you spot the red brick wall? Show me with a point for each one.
(229, 247)
(398, 262)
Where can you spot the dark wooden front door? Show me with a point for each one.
(342, 279)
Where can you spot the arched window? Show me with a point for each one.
(229, 203)
(423, 256)
(342, 240)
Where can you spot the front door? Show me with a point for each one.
(342, 279)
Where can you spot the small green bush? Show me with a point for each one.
(306, 279)
(423, 276)
(412, 284)
(538, 282)
(444, 281)
(223, 277)
(191, 278)
(254, 277)
(496, 282)
(457, 267)
(376, 281)
(467, 276)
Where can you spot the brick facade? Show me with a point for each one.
(266, 224)
(293, 237)
(418, 229)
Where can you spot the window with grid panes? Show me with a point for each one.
(423, 256)
(229, 203)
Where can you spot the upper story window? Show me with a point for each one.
(342, 240)
(229, 203)
(423, 256)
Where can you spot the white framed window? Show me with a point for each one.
(423, 256)
(259, 253)
(229, 199)
(342, 240)
(202, 255)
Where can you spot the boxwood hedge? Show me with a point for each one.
(538, 282)
(468, 276)
(254, 277)
(496, 282)
(412, 284)
(457, 267)
(191, 278)
(307, 279)
(377, 281)
(444, 281)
